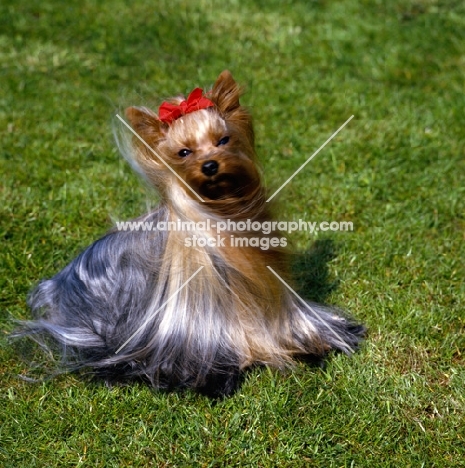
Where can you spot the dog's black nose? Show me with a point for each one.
(210, 168)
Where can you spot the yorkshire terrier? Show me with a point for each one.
(182, 307)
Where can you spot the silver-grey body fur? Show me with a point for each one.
(115, 290)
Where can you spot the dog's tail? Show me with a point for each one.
(334, 328)
(318, 329)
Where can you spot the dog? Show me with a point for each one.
(184, 308)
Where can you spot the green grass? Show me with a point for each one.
(396, 171)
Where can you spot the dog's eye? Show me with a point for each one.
(184, 152)
(223, 141)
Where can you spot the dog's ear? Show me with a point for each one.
(145, 123)
(225, 92)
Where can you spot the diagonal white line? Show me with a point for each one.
(153, 315)
(311, 157)
(308, 307)
(159, 157)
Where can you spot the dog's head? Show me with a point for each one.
(205, 140)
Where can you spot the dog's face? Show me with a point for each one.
(211, 149)
(211, 155)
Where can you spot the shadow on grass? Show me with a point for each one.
(310, 270)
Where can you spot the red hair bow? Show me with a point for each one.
(168, 112)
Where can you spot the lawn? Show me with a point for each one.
(396, 171)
